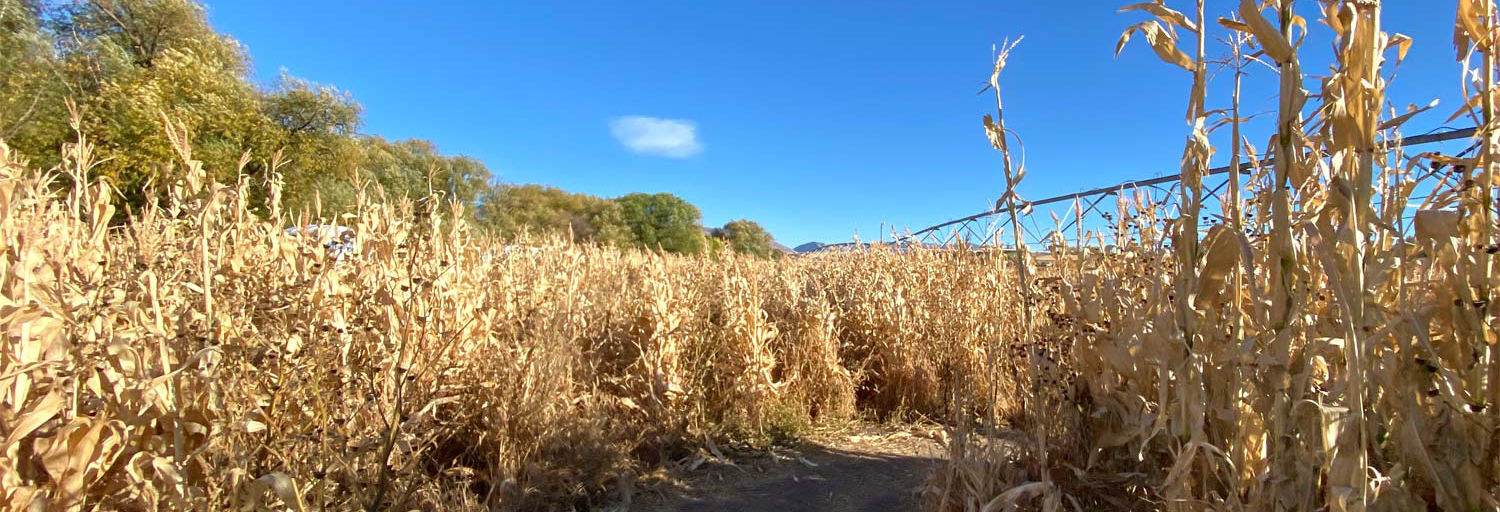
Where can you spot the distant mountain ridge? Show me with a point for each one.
(809, 247)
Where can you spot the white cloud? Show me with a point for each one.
(672, 138)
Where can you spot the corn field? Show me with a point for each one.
(1313, 349)
(195, 356)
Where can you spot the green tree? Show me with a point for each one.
(315, 126)
(140, 32)
(303, 109)
(131, 64)
(747, 237)
(413, 167)
(663, 220)
(33, 119)
(512, 209)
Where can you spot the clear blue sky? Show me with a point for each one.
(818, 119)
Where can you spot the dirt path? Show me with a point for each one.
(867, 469)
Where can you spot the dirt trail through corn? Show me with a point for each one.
(866, 470)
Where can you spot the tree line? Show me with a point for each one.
(127, 66)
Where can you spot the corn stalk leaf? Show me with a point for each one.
(991, 130)
(1276, 46)
(1403, 118)
(1469, 31)
(1161, 42)
(1159, 8)
(1402, 42)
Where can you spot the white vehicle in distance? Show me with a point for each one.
(338, 240)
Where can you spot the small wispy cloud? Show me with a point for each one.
(671, 138)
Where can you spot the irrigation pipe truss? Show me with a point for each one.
(1439, 136)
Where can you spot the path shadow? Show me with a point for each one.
(823, 479)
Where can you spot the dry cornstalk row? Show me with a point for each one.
(1311, 351)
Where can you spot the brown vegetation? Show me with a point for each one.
(1314, 349)
(1311, 350)
(194, 356)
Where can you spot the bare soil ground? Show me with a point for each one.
(860, 469)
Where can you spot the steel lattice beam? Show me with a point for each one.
(1244, 169)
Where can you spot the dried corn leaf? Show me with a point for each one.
(1271, 40)
(1161, 42)
(1159, 8)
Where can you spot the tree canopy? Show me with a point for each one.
(747, 237)
(539, 209)
(663, 220)
(127, 67)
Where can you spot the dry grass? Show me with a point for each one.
(1314, 349)
(194, 357)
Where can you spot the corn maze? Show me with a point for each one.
(1314, 328)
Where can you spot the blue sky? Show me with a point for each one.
(818, 119)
